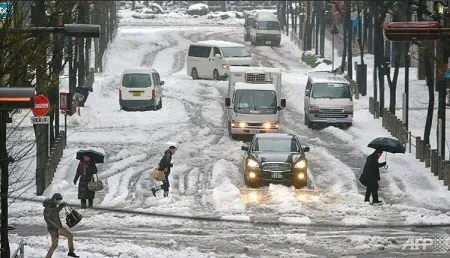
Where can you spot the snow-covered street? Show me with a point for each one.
(327, 219)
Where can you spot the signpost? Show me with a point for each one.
(5, 10)
(64, 107)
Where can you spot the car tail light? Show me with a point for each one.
(120, 94)
(153, 93)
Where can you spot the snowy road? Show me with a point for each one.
(328, 219)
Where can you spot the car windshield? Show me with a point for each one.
(249, 101)
(268, 25)
(331, 91)
(136, 80)
(276, 145)
(235, 52)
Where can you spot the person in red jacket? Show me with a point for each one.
(164, 165)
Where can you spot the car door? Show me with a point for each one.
(205, 64)
(159, 89)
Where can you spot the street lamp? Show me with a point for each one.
(334, 31)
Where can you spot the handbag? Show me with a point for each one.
(95, 185)
(158, 175)
(73, 217)
(362, 179)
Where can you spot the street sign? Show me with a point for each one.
(41, 105)
(447, 75)
(334, 30)
(5, 10)
(64, 101)
(40, 120)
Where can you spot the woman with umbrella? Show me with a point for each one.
(85, 172)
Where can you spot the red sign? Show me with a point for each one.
(63, 101)
(41, 105)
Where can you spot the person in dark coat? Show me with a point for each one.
(164, 165)
(371, 175)
(54, 226)
(85, 172)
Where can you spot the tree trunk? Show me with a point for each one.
(430, 84)
(81, 63)
(286, 6)
(133, 5)
(345, 38)
(322, 30)
(87, 49)
(380, 47)
(294, 28)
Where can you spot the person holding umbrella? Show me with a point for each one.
(371, 172)
(85, 172)
(371, 175)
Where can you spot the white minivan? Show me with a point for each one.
(212, 59)
(140, 89)
(328, 100)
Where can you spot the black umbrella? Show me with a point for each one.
(95, 156)
(387, 144)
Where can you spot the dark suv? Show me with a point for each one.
(275, 158)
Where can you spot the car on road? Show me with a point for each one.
(275, 158)
(140, 89)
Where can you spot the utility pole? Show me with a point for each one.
(348, 6)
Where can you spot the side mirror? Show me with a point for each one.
(245, 148)
(227, 102)
(162, 82)
(283, 103)
(306, 92)
(306, 149)
(217, 56)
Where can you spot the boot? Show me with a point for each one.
(72, 254)
(91, 203)
(166, 193)
(83, 203)
(154, 190)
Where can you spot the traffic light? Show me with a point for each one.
(413, 31)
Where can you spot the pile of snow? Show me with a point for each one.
(198, 9)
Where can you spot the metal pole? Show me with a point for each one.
(332, 52)
(65, 128)
(4, 163)
(407, 64)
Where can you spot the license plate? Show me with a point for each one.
(277, 175)
(254, 131)
(136, 94)
(268, 42)
(331, 120)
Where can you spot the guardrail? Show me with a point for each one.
(20, 251)
(437, 164)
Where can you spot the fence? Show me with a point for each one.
(20, 251)
(423, 152)
(56, 152)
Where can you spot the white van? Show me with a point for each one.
(212, 59)
(328, 100)
(265, 30)
(140, 89)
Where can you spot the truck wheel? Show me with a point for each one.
(216, 75)
(300, 185)
(194, 74)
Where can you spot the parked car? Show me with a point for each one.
(275, 158)
(140, 89)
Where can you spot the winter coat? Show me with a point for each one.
(51, 215)
(85, 172)
(165, 162)
(371, 172)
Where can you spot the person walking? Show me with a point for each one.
(85, 172)
(164, 165)
(371, 176)
(54, 226)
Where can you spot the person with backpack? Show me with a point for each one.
(164, 165)
(54, 226)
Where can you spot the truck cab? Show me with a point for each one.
(254, 100)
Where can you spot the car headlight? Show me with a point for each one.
(252, 164)
(225, 66)
(300, 164)
(242, 124)
(252, 175)
(301, 176)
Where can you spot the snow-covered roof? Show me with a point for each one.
(274, 135)
(198, 6)
(253, 86)
(139, 70)
(218, 43)
(254, 69)
(328, 79)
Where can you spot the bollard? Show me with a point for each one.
(377, 110)
(371, 105)
(426, 155)
(440, 168)
(410, 143)
(446, 171)
(418, 149)
(433, 161)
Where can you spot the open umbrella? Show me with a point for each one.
(387, 144)
(95, 156)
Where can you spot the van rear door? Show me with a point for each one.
(136, 86)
